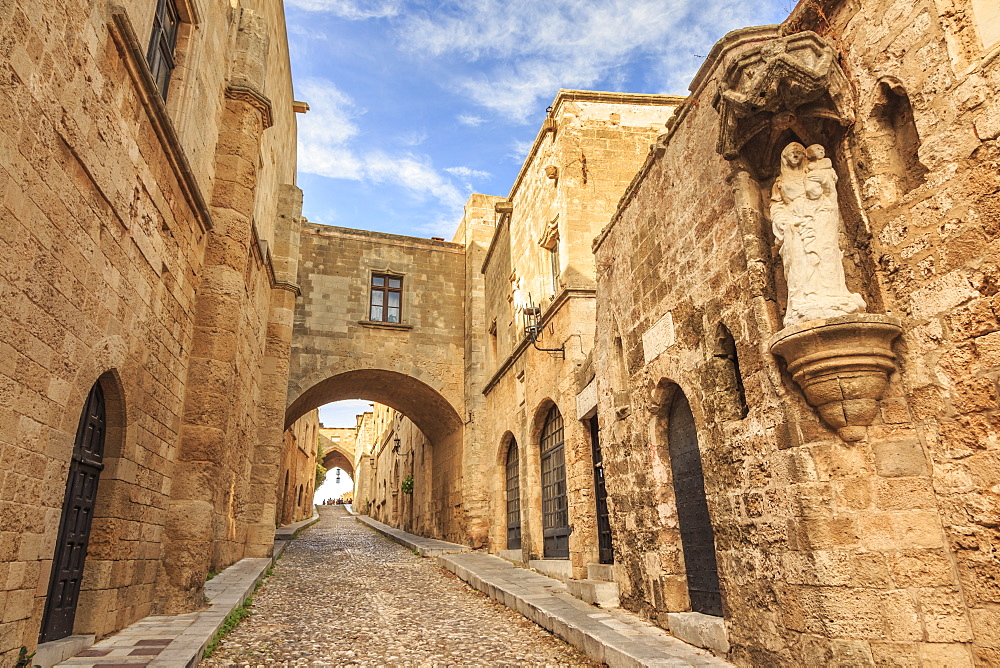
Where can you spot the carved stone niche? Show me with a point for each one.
(842, 365)
(786, 89)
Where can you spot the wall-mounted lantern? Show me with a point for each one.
(533, 328)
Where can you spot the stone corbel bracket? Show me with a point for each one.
(842, 365)
(250, 95)
(786, 89)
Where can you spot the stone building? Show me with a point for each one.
(814, 472)
(539, 272)
(784, 345)
(148, 265)
(298, 469)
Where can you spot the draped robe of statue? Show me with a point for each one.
(805, 219)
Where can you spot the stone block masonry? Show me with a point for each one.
(874, 550)
(127, 221)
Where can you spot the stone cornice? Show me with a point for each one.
(732, 40)
(253, 97)
(130, 49)
(382, 237)
(561, 300)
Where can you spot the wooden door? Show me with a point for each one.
(606, 552)
(74, 526)
(555, 509)
(697, 535)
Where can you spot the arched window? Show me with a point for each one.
(730, 376)
(555, 509)
(513, 498)
(898, 141)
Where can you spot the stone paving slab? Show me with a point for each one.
(426, 547)
(172, 641)
(613, 636)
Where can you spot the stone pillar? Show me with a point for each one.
(201, 529)
(266, 465)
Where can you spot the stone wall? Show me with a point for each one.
(871, 551)
(298, 470)
(585, 154)
(111, 204)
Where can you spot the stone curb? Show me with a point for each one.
(612, 636)
(288, 531)
(425, 547)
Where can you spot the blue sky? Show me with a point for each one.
(415, 105)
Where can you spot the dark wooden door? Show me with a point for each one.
(606, 552)
(555, 509)
(74, 526)
(697, 536)
(513, 499)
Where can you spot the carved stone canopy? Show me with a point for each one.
(786, 89)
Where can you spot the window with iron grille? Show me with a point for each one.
(162, 43)
(386, 298)
(555, 508)
(513, 498)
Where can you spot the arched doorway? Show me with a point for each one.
(512, 474)
(77, 517)
(555, 509)
(697, 535)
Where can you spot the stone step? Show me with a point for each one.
(558, 569)
(596, 592)
(604, 572)
(614, 636)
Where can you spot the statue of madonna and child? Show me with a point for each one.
(805, 219)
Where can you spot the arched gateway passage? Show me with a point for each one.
(420, 402)
(382, 318)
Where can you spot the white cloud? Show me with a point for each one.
(415, 174)
(527, 50)
(467, 173)
(354, 10)
(328, 138)
(414, 137)
(325, 131)
(470, 120)
(519, 150)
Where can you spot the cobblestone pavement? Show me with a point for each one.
(343, 595)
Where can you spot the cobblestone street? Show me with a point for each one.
(344, 595)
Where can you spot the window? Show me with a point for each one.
(161, 44)
(387, 293)
(554, 265)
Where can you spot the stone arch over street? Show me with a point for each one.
(336, 455)
(345, 345)
(421, 402)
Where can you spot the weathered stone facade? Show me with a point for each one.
(298, 469)
(877, 545)
(148, 249)
(585, 154)
(414, 365)
(816, 494)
